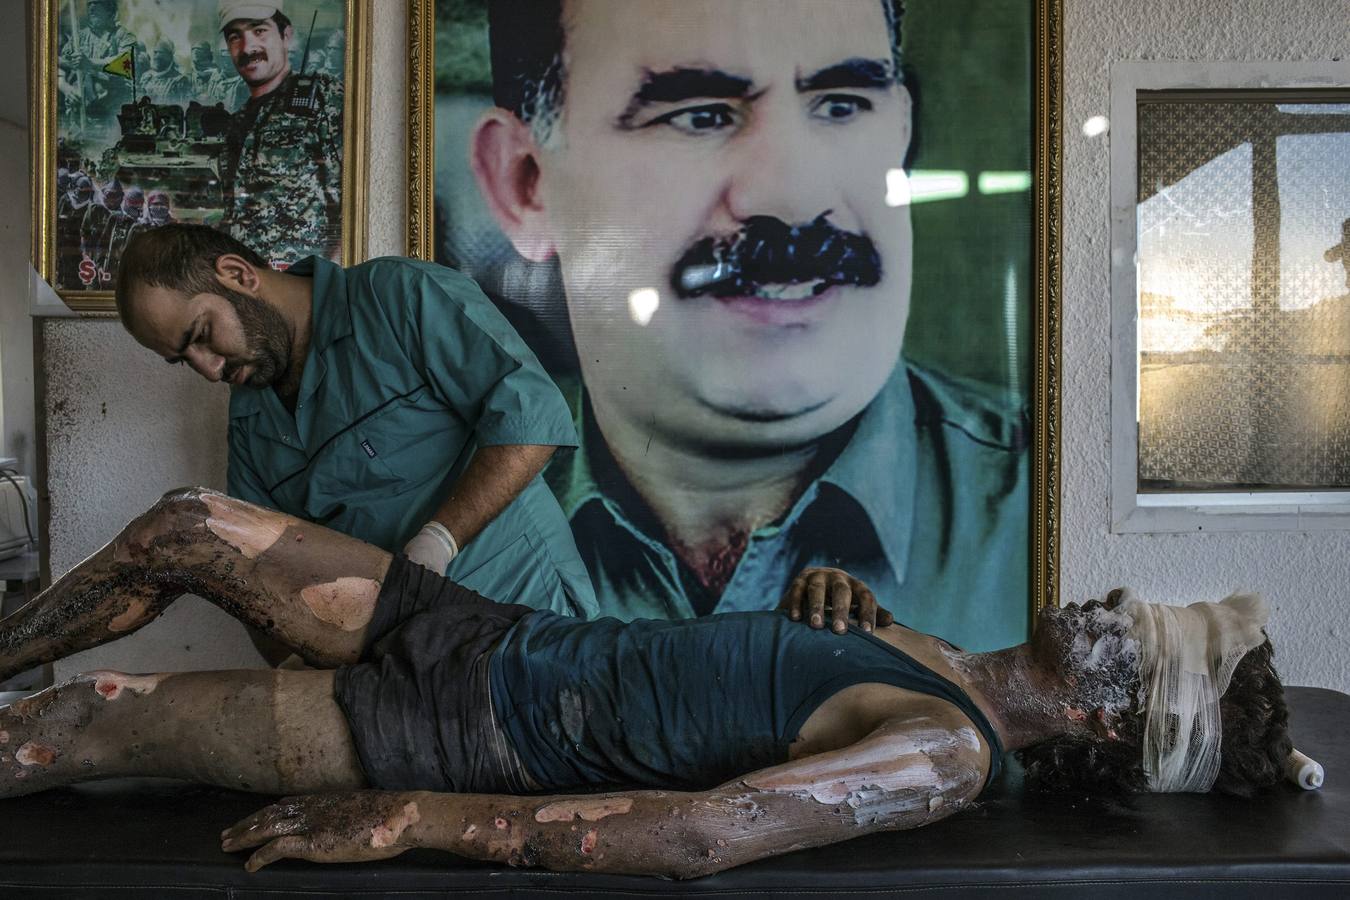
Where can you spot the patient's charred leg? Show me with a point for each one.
(255, 730)
(312, 588)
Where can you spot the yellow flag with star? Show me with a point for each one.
(124, 65)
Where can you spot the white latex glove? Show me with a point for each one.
(433, 547)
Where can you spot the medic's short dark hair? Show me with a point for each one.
(179, 257)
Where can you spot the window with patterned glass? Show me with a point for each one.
(1243, 273)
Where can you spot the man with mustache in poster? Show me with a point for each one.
(712, 180)
(282, 172)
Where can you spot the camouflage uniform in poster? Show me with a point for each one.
(283, 170)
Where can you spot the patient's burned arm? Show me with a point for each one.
(912, 770)
(312, 588)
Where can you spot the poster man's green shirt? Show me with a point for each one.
(927, 503)
(410, 369)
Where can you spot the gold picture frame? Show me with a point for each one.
(1046, 276)
(44, 113)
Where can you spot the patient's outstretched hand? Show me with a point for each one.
(350, 827)
(817, 591)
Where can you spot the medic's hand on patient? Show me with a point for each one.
(818, 592)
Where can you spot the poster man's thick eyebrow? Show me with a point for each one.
(685, 83)
(851, 73)
(232, 28)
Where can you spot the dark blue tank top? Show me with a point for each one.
(688, 704)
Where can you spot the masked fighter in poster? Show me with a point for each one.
(283, 164)
(96, 229)
(712, 180)
(120, 229)
(72, 207)
(718, 741)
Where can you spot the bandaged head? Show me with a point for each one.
(1188, 655)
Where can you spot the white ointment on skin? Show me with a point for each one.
(586, 810)
(130, 617)
(110, 685)
(386, 833)
(902, 763)
(242, 527)
(34, 753)
(347, 602)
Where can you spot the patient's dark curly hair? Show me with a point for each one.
(1252, 754)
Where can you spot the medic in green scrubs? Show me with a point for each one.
(390, 401)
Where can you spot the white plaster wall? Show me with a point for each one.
(162, 429)
(123, 428)
(1305, 576)
(388, 130)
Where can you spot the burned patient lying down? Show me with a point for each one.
(440, 719)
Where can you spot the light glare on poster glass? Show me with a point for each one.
(924, 186)
(1003, 182)
(642, 304)
(1096, 125)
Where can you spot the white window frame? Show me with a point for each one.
(1132, 511)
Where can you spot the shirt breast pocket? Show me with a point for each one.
(360, 454)
(407, 444)
(362, 466)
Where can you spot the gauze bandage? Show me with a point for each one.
(1187, 659)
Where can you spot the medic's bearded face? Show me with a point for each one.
(726, 164)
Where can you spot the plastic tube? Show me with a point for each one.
(1304, 771)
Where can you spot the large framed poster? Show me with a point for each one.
(246, 116)
(795, 264)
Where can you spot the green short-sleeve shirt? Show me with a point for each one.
(410, 369)
(927, 503)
